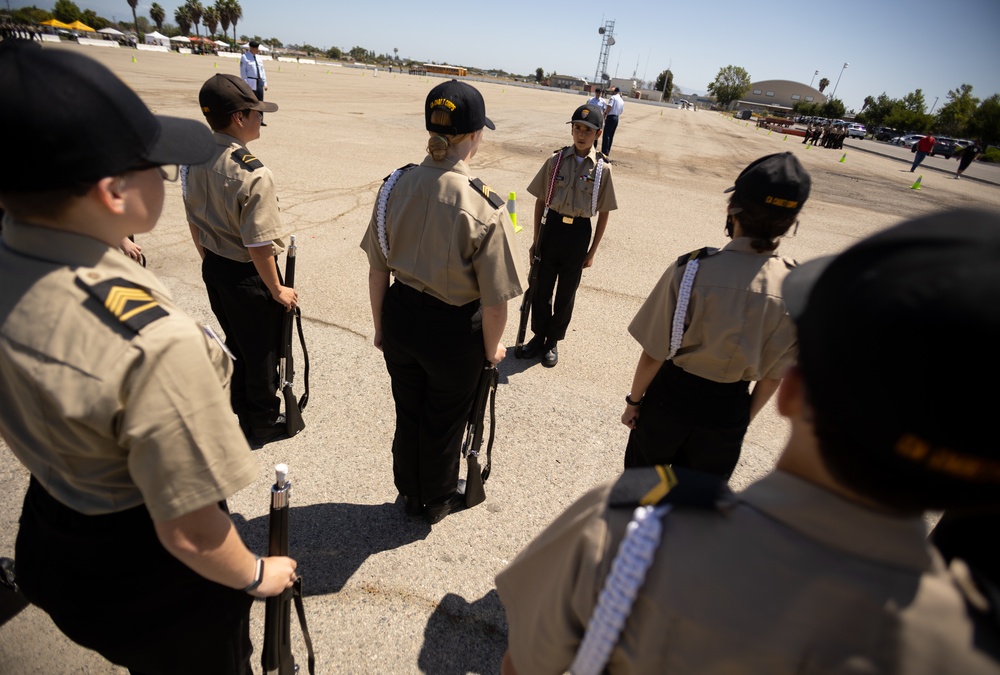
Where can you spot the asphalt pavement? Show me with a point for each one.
(386, 593)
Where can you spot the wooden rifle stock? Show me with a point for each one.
(276, 654)
(286, 368)
(476, 476)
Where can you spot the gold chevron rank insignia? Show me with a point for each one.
(129, 303)
(486, 191)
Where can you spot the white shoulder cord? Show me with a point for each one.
(383, 201)
(597, 185)
(628, 571)
(680, 312)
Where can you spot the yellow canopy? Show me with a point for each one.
(77, 25)
(55, 23)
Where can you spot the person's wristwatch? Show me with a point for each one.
(257, 577)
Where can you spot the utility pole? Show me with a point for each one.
(607, 41)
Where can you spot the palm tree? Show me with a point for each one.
(194, 11)
(211, 20)
(157, 14)
(183, 21)
(222, 9)
(135, 19)
(823, 84)
(235, 14)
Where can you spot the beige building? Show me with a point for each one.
(567, 82)
(778, 95)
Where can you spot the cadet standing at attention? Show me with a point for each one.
(232, 210)
(449, 241)
(714, 323)
(823, 565)
(110, 395)
(572, 187)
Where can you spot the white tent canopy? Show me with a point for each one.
(110, 31)
(156, 38)
(221, 43)
(179, 38)
(263, 48)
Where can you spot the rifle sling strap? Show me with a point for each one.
(300, 610)
(304, 399)
(493, 425)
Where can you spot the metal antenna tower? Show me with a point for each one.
(607, 41)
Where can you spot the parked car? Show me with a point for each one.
(885, 134)
(945, 147)
(855, 130)
(907, 141)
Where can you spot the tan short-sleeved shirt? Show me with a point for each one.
(446, 238)
(791, 579)
(109, 394)
(736, 326)
(574, 192)
(232, 200)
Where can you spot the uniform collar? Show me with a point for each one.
(447, 164)
(76, 251)
(742, 245)
(570, 151)
(226, 139)
(841, 524)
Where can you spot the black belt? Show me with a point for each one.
(674, 373)
(414, 297)
(566, 220)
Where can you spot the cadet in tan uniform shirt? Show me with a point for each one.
(110, 395)
(714, 323)
(583, 190)
(822, 566)
(232, 210)
(448, 240)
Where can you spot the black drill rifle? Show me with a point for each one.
(286, 365)
(276, 654)
(486, 391)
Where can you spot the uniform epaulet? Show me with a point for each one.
(128, 302)
(246, 159)
(601, 155)
(402, 168)
(485, 190)
(666, 485)
(697, 255)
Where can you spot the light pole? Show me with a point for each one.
(834, 94)
(934, 106)
(814, 79)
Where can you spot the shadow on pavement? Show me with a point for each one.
(331, 541)
(465, 638)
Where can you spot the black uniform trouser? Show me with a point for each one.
(434, 353)
(562, 248)
(251, 320)
(691, 422)
(109, 585)
(610, 126)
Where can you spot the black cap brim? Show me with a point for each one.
(265, 106)
(181, 141)
(798, 285)
(489, 124)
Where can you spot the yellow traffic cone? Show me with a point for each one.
(512, 210)
(785, 138)
(916, 186)
(844, 158)
(215, 65)
(768, 132)
(133, 60)
(808, 145)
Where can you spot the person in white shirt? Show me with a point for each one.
(614, 110)
(252, 72)
(601, 103)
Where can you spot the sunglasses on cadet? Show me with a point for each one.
(168, 172)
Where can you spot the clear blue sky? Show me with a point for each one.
(891, 45)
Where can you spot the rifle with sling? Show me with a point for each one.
(276, 654)
(529, 294)
(486, 392)
(286, 365)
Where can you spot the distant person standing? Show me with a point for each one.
(252, 72)
(599, 102)
(967, 157)
(924, 147)
(614, 110)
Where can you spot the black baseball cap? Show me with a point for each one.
(588, 115)
(70, 121)
(897, 347)
(465, 105)
(776, 182)
(223, 94)
(253, 44)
